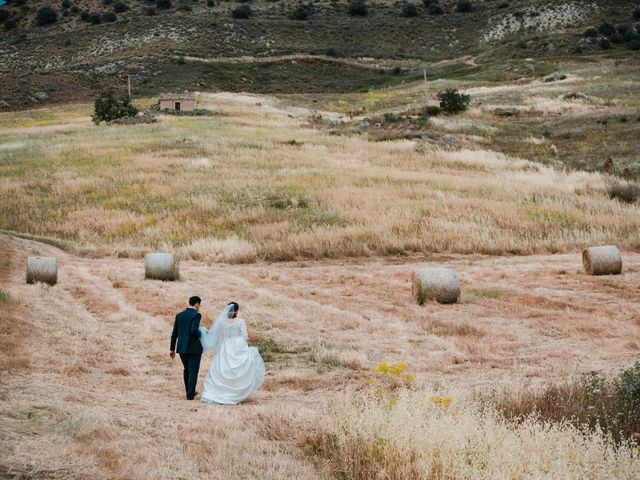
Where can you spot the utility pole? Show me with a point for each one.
(426, 91)
(129, 84)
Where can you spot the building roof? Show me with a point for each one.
(178, 96)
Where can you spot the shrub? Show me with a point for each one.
(590, 402)
(435, 9)
(302, 11)
(634, 45)
(636, 13)
(66, 4)
(503, 4)
(616, 38)
(84, 16)
(606, 29)
(75, 9)
(624, 192)
(95, 19)
(590, 32)
(120, 7)
(331, 52)
(211, 3)
(604, 43)
(242, 11)
(452, 101)
(107, 2)
(391, 117)
(9, 25)
(165, 4)
(409, 10)
(150, 12)
(464, 6)
(108, 107)
(431, 111)
(4, 15)
(358, 8)
(46, 16)
(108, 17)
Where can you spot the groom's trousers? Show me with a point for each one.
(191, 363)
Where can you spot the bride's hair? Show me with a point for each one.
(234, 313)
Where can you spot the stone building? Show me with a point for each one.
(178, 101)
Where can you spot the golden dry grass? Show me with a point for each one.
(252, 182)
(88, 390)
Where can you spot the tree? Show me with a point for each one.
(464, 6)
(302, 11)
(409, 10)
(163, 4)
(452, 101)
(46, 16)
(108, 17)
(242, 11)
(357, 8)
(108, 107)
(435, 9)
(120, 7)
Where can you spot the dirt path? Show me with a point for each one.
(88, 388)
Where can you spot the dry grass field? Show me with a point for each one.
(89, 390)
(315, 229)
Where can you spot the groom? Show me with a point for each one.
(186, 332)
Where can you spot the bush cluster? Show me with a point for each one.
(607, 33)
(433, 7)
(108, 106)
(409, 10)
(464, 6)
(591, 402)
(624, 192)
(120, 7)
(358, 8)
(302, 11)
(46, 16)
(452, 101)
(242, 11)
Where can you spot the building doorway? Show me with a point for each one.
(177, 107)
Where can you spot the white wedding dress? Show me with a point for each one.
(237, 369)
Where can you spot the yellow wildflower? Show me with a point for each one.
(441, 401)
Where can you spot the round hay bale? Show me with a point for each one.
(439, 284)
(42, 269)
(161, 266)
(604, 260)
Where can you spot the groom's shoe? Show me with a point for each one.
(196, 394)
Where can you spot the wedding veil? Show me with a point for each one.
(212, 339)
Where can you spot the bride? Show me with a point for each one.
(237, 370)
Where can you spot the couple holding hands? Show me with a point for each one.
(237, 370)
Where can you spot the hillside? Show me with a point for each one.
(73, 58)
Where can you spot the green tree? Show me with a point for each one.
(301, 12)
(452, 101)
(46, 16)
(357, 8)
(409, 10)
(108, 106)
(242, 11)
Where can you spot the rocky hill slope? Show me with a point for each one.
(78, 46)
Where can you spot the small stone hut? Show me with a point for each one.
(178, 101)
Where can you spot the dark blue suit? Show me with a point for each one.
(187, 336)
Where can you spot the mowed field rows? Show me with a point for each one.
(92, 393)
